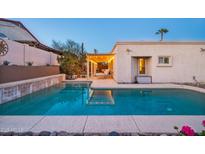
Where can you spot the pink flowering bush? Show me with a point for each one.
(203, 123)
(188, 131)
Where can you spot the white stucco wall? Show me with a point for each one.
(20, 54)
(115, 70)
(187, 61)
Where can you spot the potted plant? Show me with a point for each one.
(29, 63)
(6, 62)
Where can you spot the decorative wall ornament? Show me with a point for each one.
(3, 47)
(202, 49)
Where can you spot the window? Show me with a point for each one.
(161, 60)
(164, 61)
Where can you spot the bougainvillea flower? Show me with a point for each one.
(203, 123)
(188, 131)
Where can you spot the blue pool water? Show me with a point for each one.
(78, 99)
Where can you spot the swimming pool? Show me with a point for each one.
(79, 99)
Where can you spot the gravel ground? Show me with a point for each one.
(63, 133)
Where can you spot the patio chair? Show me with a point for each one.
(106, 73)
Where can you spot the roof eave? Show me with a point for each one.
(161, 43)
(40, 46)
(37, 43)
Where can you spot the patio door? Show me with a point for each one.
(142, 66)
(143, 71)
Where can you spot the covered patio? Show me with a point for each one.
(100, 66)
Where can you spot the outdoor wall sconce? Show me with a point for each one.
(128, 51)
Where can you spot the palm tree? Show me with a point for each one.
(95, 51)
(162, 31)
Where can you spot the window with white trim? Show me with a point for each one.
(164, 61)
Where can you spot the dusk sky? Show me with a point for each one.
(103, 33)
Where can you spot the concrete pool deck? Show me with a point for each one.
(111, 84)
(99, 124)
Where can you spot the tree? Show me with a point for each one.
(95, 51)
(82, 60)
(73, 59)
(161, 32)
(58, 45)
(69, 64)
(69, 46)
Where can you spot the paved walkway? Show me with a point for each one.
(99, 124)
(109, 83)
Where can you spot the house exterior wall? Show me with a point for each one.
(187, 61)
(20, 54)
(115, 68)
(122, 66)
(134, 68)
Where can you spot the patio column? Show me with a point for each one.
(95, 66)
(87, 68)
(92, 69)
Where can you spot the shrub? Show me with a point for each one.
(73, 58)
(6, 62)
(188, 131)
(29, 63)
(69, 64)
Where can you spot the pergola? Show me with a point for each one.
(94, 59)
